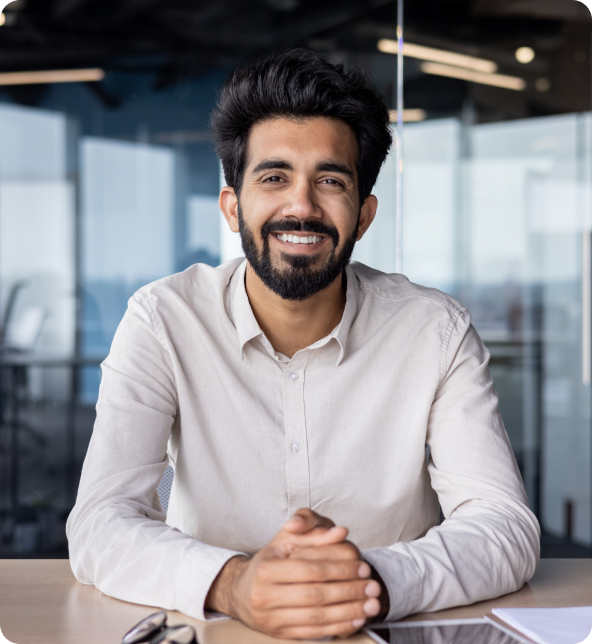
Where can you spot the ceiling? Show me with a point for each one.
(179, 39)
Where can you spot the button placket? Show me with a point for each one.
(297, 467)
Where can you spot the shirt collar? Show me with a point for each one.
(248, 328)
(246, 325)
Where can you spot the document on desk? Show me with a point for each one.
(550, 625)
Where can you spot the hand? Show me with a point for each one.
(301, 597)
(345, 550)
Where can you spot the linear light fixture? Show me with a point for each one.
(388, 46)
(409, 116)
(497, 80)
(56, 76)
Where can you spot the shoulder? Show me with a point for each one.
(394, 292)
(198, 278)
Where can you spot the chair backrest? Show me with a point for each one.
(23, 333)
(164, 487)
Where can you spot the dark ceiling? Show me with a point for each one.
(179, 39)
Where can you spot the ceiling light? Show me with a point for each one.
(2, 19)
(409, 116)
(388, 46)
(497, 80)
(57, 76)
(525, 55)
(542, 84)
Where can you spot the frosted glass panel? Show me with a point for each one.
(127, 209)
(37, 225)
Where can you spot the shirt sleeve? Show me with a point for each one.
(488, 544)
(118, 538)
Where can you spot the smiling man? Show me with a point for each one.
(318, 413)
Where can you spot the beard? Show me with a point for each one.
(299, 280)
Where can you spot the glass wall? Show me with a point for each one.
(107, 186)
(498, 215)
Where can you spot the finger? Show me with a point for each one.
(324, 615)
(284, 543)
(315, 594)
(290, 571)
(316, 536)
(305, 519)
(342, 629)
(343, 550)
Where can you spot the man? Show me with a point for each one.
(293, 386)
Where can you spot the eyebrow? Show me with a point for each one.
(331, 166)
(272, 164)
(324, 166)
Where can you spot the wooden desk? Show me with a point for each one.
(41, 603)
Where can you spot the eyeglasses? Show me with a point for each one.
(153, 630)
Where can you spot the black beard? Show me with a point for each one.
(299, 281)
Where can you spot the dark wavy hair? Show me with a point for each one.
(300, 84)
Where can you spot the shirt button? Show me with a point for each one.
(294, 376)
(296, 447)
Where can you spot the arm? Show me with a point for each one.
(117, 536)
(488, 544)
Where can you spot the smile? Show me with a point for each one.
(296, 239)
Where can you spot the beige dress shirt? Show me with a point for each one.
(343, 427)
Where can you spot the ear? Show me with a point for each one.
(228, 203)
(367, 214)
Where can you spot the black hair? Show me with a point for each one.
(300, 84)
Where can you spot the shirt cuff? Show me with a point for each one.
(402, 577)
(199, 569)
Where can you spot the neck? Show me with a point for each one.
(291, 326)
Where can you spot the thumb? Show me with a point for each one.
(304, 520)
(307, 529)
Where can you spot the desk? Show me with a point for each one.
(41, 603)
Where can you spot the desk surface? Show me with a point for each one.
(41, 602)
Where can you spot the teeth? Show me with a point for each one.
(295, 239)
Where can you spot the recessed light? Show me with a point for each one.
(542, 84)
(525, 55)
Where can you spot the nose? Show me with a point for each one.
(301, 202)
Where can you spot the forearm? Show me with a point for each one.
(478, 554)
(126, 550)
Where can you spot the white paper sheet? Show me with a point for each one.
(550, 625)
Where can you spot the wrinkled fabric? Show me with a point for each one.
(390, 417)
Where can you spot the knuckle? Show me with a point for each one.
(316, 569)
(315, 617)
(258, 598)
(349, 551)
(264, 620)
(315, 595)
(263, 572)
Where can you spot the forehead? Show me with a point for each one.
(302, 140)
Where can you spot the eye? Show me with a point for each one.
(273, 179)
(332, 182)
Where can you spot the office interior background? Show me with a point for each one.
(109, 180)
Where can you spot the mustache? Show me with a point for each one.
(306, 226)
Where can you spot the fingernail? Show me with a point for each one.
(358, 623)
(372, 607)
(364, 571)
(372, 589)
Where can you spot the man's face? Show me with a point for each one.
(299, 208)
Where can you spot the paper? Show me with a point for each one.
(550, 625)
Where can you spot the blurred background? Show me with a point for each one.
(109, 180)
